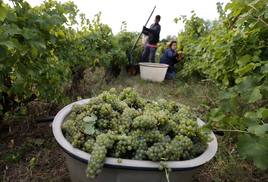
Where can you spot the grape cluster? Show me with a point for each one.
(124, 125)
(145, 121)
(98, 154)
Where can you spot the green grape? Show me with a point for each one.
(105, 139)
(98, 154)
(171, 106)
(131, 98)
(130, 113)
(77, 108)
(162, 117)
(123, 146)
(169, 127)
(97, 159)
(77, 139)
(140, 154)
(68, 127)
(128, 93)
(151, 107)
(103, 124)
(119, 105)
(141, 148)
(157, 151)
(124, 125)
(144, 122)
(197, 149)
(163, 166)
(107, 97)
(106, 110)
(152, 136)
(88, 145)
(187, 127)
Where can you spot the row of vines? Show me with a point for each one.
(44, 49)
(233, 53)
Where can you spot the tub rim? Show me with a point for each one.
(153, 65)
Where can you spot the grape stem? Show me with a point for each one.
(167, 174)
(240, 131)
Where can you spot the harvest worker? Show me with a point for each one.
(170, 57)
(153, 38)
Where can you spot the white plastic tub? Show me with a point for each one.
(153, 71)
(127, 170)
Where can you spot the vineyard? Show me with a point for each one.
(46, 62)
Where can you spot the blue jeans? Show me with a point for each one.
(171, 75)
(148, 54)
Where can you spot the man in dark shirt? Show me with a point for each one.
(153, 38)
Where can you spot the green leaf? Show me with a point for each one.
(89, 122)
(38, 45)
(9, 44)
(266, 14)
(60, 34)
(245, 69)
(244, 60)
(227, 94)
(252, 115)
(264, 68)
(28, 33)
(263, 112)
(255, 95)
(216, 115)
(258, 129)
(90, 119)
(89, 128)
(3, 11)
(225, 80)
(246, 83)
(254, 148)
(34, 52)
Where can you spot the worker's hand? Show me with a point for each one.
(144, 28)
(180, 56)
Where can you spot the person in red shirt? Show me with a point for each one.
(153, 38)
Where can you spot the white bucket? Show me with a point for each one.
(153, 71)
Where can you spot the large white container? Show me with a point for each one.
(153, 71)
(127, 170)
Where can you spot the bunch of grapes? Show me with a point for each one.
(124, 125)
(145, 121)
(98, 154)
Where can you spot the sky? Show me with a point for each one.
(136, 12)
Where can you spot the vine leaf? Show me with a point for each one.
(258, 129)
(255, 95)
(89, 122)
(90, 119)
(3, 12)
(254, 148)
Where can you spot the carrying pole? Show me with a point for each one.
(134, 46)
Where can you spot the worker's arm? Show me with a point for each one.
(172, 54)
(145, 30)
(153, 30)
